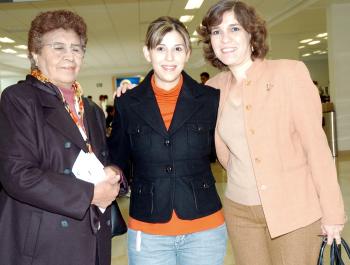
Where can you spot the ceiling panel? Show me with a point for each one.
(116, 28)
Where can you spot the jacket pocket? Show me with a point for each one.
(205, 195)
(142, 198)
(198, 136)
(32, 234)
(140, 137)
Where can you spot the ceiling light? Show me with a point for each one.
(314, 42)
(318, 51)
(194, 4)
(195, 33)
(193, 39)
(22, 55)
(305, 41)
(185, 19)
(22, 47)
(321, 35)
(301, 47)
(323, 52)
(306, 54)
(6, 40)
(9, 51)
(326, 38)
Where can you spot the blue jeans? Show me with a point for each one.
(202, 248)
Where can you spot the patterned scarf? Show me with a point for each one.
(78, 103)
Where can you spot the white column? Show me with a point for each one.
(338, 27)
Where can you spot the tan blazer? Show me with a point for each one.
(294, 169)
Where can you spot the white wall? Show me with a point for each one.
(89, 85)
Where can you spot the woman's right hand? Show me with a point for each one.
(106, 191)
(122, 89)
(332, 232)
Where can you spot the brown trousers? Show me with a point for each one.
(252, 244)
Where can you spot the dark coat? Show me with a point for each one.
(171, 168)
(45, 212)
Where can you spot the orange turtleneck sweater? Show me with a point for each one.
(167, 102)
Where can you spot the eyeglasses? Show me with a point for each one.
(61, 48)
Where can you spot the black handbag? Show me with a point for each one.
(335, 252)
(117, 221)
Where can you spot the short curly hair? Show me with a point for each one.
(249, 20)
(48, 21)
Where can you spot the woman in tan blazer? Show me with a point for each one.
(282, 190)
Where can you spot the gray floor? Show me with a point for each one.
(119, 248)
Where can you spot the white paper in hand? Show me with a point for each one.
(87, 167)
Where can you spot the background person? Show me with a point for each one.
(47, 215)
(204, 77)
(282, 190)
(166, 126)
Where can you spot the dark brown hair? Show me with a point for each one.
(52, 20)
(249, 20)
(161, 26)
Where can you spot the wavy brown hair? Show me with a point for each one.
(52, 20)
(249, 20)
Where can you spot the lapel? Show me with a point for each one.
(55, 113)
(187, 104)
(93, 125)
(259, 90)
(147, 108)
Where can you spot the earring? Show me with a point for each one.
(252, 48)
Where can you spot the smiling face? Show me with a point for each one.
(231, 42)
(61, 67)
(168, 59)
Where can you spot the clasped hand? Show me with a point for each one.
(106, 191)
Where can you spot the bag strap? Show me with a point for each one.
(335, 252)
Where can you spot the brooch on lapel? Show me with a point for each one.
(269, 86)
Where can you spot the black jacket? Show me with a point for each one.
(45, 212)
(171, 168)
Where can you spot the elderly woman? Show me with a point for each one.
(282, 190)
(48, 215)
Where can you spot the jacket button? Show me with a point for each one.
(252, 131)
(263, 187)
(248, 107)
(169, 169)
(103, 153)
(205, 185)
(64, 223)
(67, 145)
(167, 142)
(257, 160)
(66, 171)
(108, 222)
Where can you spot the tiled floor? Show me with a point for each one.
(119, 247)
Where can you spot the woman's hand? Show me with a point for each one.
(122, 89)
(106, 191)
(332, 232)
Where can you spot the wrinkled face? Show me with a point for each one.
(168, 59)
(231, 42)
(60, 57)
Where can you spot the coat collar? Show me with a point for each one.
(147, 108)
(55, 113)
